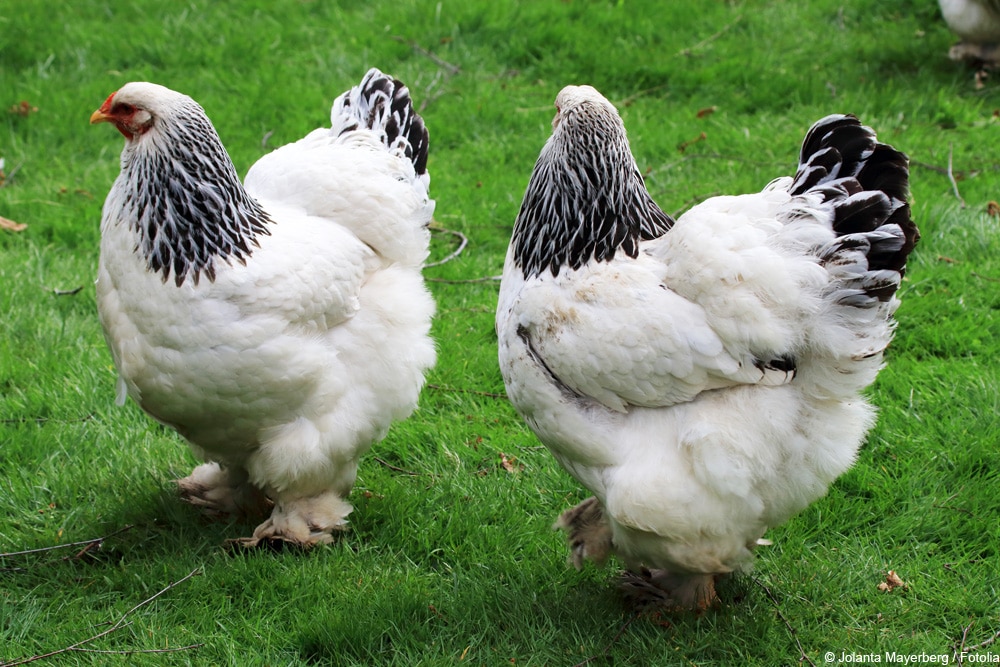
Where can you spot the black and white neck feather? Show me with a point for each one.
(180, 191)
(586, 200)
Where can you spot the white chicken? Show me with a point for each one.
(977, 23)
(278, 325)
(702, 378)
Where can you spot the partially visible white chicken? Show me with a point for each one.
(977, 23)
(702, 378)
(279, 325)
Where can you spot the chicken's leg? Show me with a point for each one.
(222, 492)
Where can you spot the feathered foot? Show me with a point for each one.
(978, 54)
(302, 522)
(222, 492)
(588, 532)
(659, 589)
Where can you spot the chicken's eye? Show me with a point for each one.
(124, 109)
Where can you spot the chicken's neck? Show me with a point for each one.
(188, 208)
(583, 205)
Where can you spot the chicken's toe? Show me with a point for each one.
(659, 589)
(302, 522)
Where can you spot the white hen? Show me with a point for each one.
(702, 378)
(977, 23)
(278, 325)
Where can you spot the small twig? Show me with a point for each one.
(463, 241)
(9, 176)
(118, 625)
(397, 468)
(138, 650)
(931, 167)
(46, 420)
(982, 277)
(87, 544)
(634, 96)
(265, 139)
(952, 507)
(951, 178)
(983, 644)
(604, 652)
(777, 610)
(459, 390)
(428, 95)
(486, 279)
(67, 292)
(960, 651)
(711, 38)
(452, 69)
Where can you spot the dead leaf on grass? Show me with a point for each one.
(993, 209)
(11, 225)
(707, 111)
(23, 108)
(892, 581)
(510, 464)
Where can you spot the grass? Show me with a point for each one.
(455, 563)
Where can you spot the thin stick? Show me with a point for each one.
(396, 468)
(984, 644)
(611, 643)
(960, 651)
(452, 69)
(463, 241)
(84, 543)
(459, 390)
(634, 96)
(140, 650)
(982, 277)
(46, 420)
(951, 178)
(486, 279)
(119, 624)
(9, 176)
(952, 507)
(709, 39)
(777, 609)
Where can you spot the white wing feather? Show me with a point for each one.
(689, 316)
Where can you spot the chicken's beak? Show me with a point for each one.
(99, 117)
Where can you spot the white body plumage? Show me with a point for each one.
(705, 385)
(286, 367)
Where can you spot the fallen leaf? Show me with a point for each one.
(892, 581)
(11, 225)
(993, 209)
(23, 108)
(707, 111)
(510, 464)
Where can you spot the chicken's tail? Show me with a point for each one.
(382, 104)
(866, 185)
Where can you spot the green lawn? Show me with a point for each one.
(450, 558)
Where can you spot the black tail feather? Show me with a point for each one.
(868, 184)
(382, 103)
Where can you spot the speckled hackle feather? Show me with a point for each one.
(190, 209)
